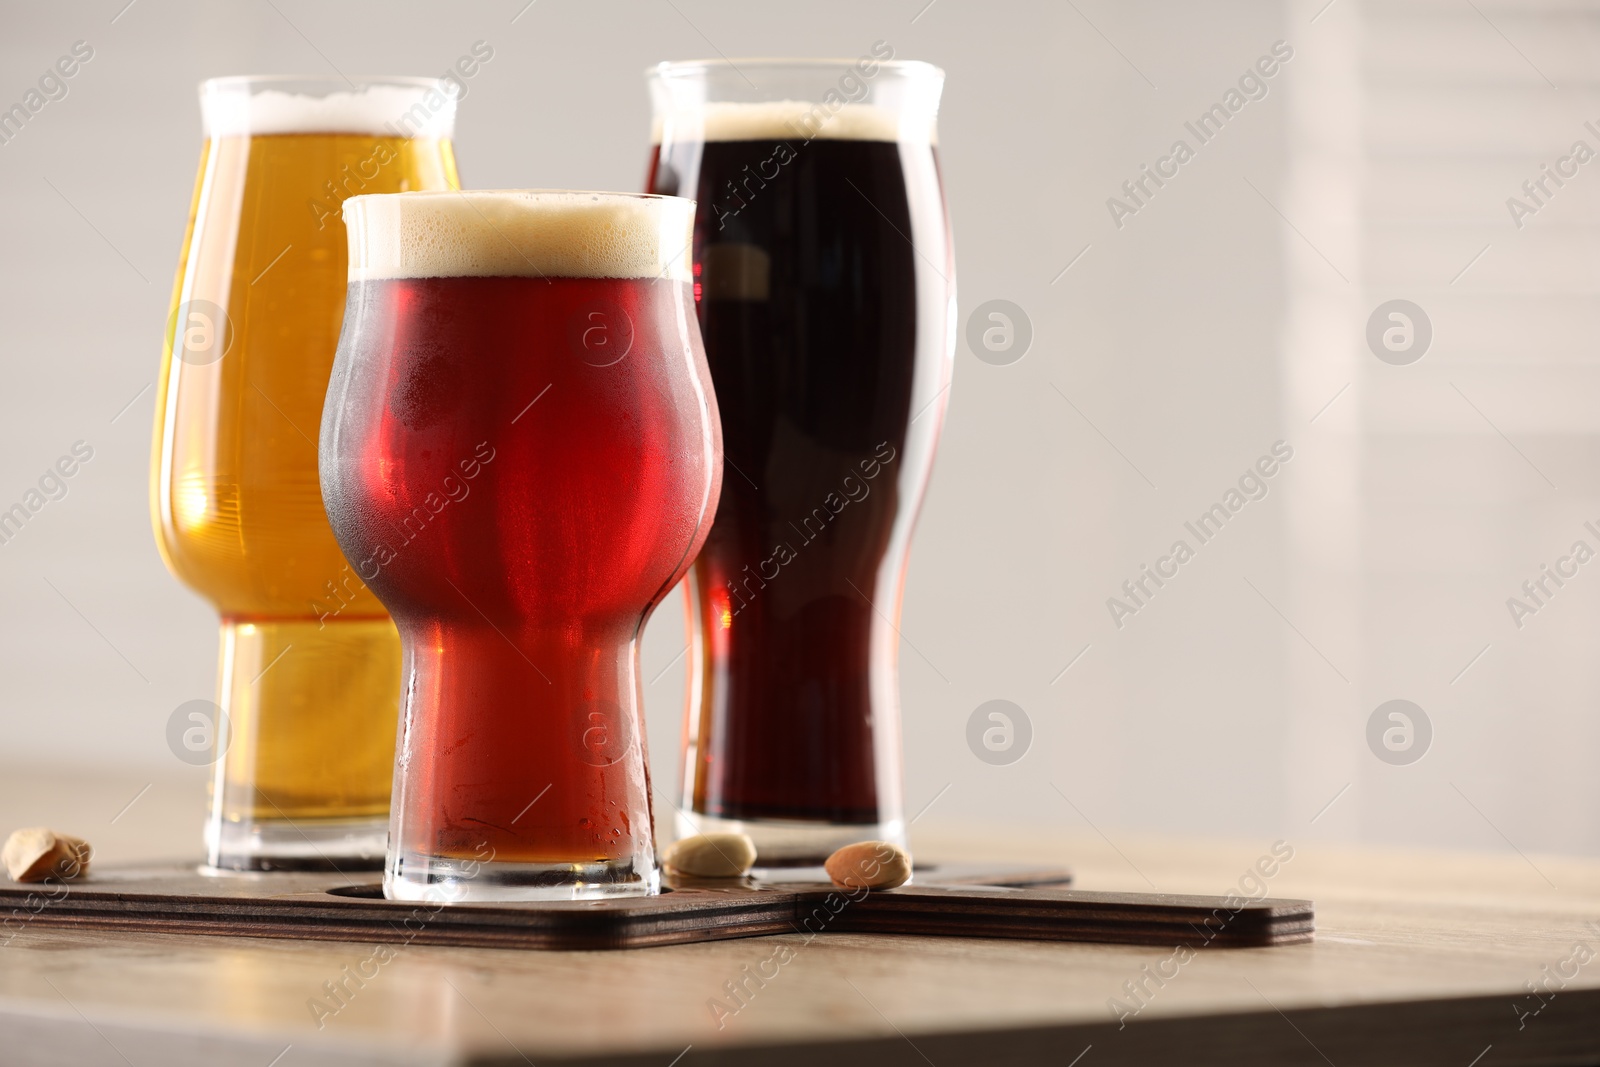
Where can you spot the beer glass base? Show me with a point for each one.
(793, 842)
(448, 880)
(302, 845)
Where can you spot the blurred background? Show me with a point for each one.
(1163, 341)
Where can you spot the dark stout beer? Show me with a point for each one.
(820, 264)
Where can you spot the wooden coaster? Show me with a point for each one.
(948, 901)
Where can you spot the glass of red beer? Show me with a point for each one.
(520, 456)
(825, 289)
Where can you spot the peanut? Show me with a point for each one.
(869, 865)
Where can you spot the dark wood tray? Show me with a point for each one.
(950, 901)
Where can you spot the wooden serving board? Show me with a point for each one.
(951, 901)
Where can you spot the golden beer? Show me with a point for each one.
(310, 663)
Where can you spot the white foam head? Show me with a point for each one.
(401, 107)
(519, 233)
(790, 120)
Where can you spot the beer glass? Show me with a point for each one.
(310, 670)
(520, 457)
(826, 295)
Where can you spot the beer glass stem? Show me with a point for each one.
(293, 691)
(518, 748)
(800, 780)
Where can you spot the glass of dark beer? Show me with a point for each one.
(520, 457)
(825, 289)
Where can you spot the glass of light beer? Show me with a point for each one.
(310, 671)
(520, 455)
(826, 295)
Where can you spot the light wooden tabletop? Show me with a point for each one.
(1419, 959)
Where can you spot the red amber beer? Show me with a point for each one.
(520, 458)
(825, 293)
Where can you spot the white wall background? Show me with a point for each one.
(1224, 316)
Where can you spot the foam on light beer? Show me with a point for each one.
(518, 233)
(230, 109)
(789, 120)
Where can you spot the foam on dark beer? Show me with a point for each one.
(789, 120)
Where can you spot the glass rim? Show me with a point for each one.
(500, 194)
(679, 67)
(338, 82)
(408, 107)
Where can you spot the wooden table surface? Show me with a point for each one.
(1419, 959)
